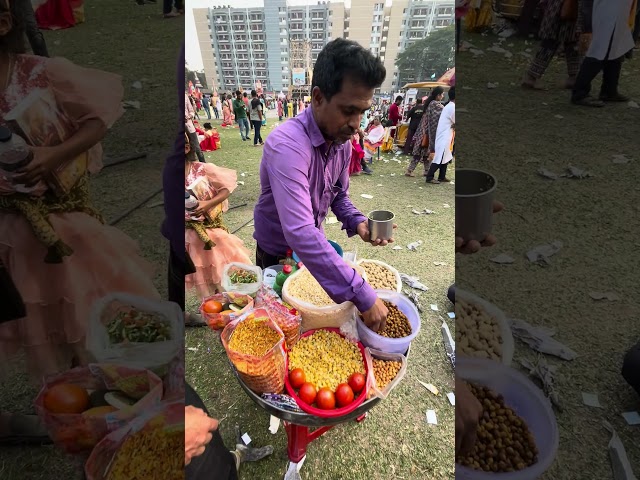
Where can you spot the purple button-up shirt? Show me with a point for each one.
(301, 179)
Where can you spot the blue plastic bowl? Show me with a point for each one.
(335, 246)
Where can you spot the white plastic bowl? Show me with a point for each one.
(499, 316)
(391, 345)
(527, 400)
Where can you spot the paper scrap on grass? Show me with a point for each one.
(243, 174)
(545, 374)
(542, 253)
(131, 104)
(621, 158)
(591, 400)
(431, 417)
(632, 418)
(496, 49)
(240, 182)
(364, 195)
(463, 110)
(430, 387)
(379, 185)
(434, 307)
(540, 339)
(413, 282)
(439, 264)
(137, 85)
(413, 246)
(476, 52)
(618, 455)
(414, 297)
(426, 211)
(393, 175)
(611, 296)
(576, 172)
(446, 205)
(397, 247)
(331, 220)
(192, 349)
(502, 259)
(246, 439)
(491, 86)
(274, 424)
(558, 116)
(543, 172)
(451, 315)
(633, 104)
(452, 398)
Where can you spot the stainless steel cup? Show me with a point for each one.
(381, 224)
(475, 191)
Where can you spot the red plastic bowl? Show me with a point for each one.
(336, 412)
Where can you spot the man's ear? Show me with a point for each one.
(6, 23)
(316, 96)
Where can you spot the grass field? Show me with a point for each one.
(394, 441)
(138, 44)
(512, 133)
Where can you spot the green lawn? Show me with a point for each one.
(512, 133)
(394, 441)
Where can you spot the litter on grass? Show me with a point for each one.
(331, 220)
(397, 247)
(240, 182)
(632, 418)
(543, 172)
(611, 296)
(413, 282)
(451, 315)
(413, 246)
(414, 297)
(439, 264)
(545, 374)
(621, 158)
(575, 172)
(619, 461)
(542, 253)
(434, 307)
(246, 439)
(367, 196)
(591, 400)
(452, 398)
(429, 387)
(540, 339)
(274, 424)
(426, 211)
(502, 259)
(431, 417)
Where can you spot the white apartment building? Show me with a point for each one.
(241, 46)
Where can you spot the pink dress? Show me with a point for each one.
(59, 297)
(229, 248)
(355, 166)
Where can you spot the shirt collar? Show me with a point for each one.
(311, 126)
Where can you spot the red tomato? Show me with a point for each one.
(325, 399)
(297, 378)
(307, 393)
(66, 398)
(344, 395)
(357, 382)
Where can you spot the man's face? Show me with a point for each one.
(339, 118)
(239, 96)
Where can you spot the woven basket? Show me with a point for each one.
(261, 374)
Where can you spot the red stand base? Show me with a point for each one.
(299, 437)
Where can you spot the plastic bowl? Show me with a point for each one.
(337, 412)
(335, 246)
(499, 316)
(527, 401)
(391, 345)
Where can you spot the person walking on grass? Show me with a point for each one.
(445, 135)
(609, 24)
(414, 116)
(206, 106)
(256, 113)
(421, 151)
(280, 110)
(189, 116)
(558, 29)
(240, 111)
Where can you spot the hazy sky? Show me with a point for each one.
(193, 56)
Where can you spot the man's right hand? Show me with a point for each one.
(468, 415)
(376, 317)
(197, 432)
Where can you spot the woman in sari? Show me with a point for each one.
(355, 166)
(227, 118)
(374, 138)
(421, 137)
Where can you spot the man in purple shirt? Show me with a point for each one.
(304, 173)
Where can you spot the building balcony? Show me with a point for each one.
(385, 29)
(223, 40)
(239, 20)
(255, 20)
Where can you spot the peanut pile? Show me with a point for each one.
(379, 277)
(254, 337)
(477, 333)
(385, 371)
(504, 442)
(397, 325)
(306, 288)
(326, 358)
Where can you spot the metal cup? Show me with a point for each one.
(381, 225)
(475, 191)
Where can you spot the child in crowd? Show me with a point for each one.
(207, 239)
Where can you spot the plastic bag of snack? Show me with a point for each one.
(150, 446)
(97, 399)
(255, 345)
(130, 330)
(241, 278)
(385, 365)
(286, 317)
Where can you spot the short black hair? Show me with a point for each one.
(254, 93)
(238, 92)
(399, 97)
(342, 58)
(452, 93)
(244, 94)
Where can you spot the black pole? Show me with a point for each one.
(134, 208)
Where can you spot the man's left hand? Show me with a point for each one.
(365, 235)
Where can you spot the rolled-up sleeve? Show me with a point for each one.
(288, 167)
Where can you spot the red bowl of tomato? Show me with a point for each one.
(335, 412)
